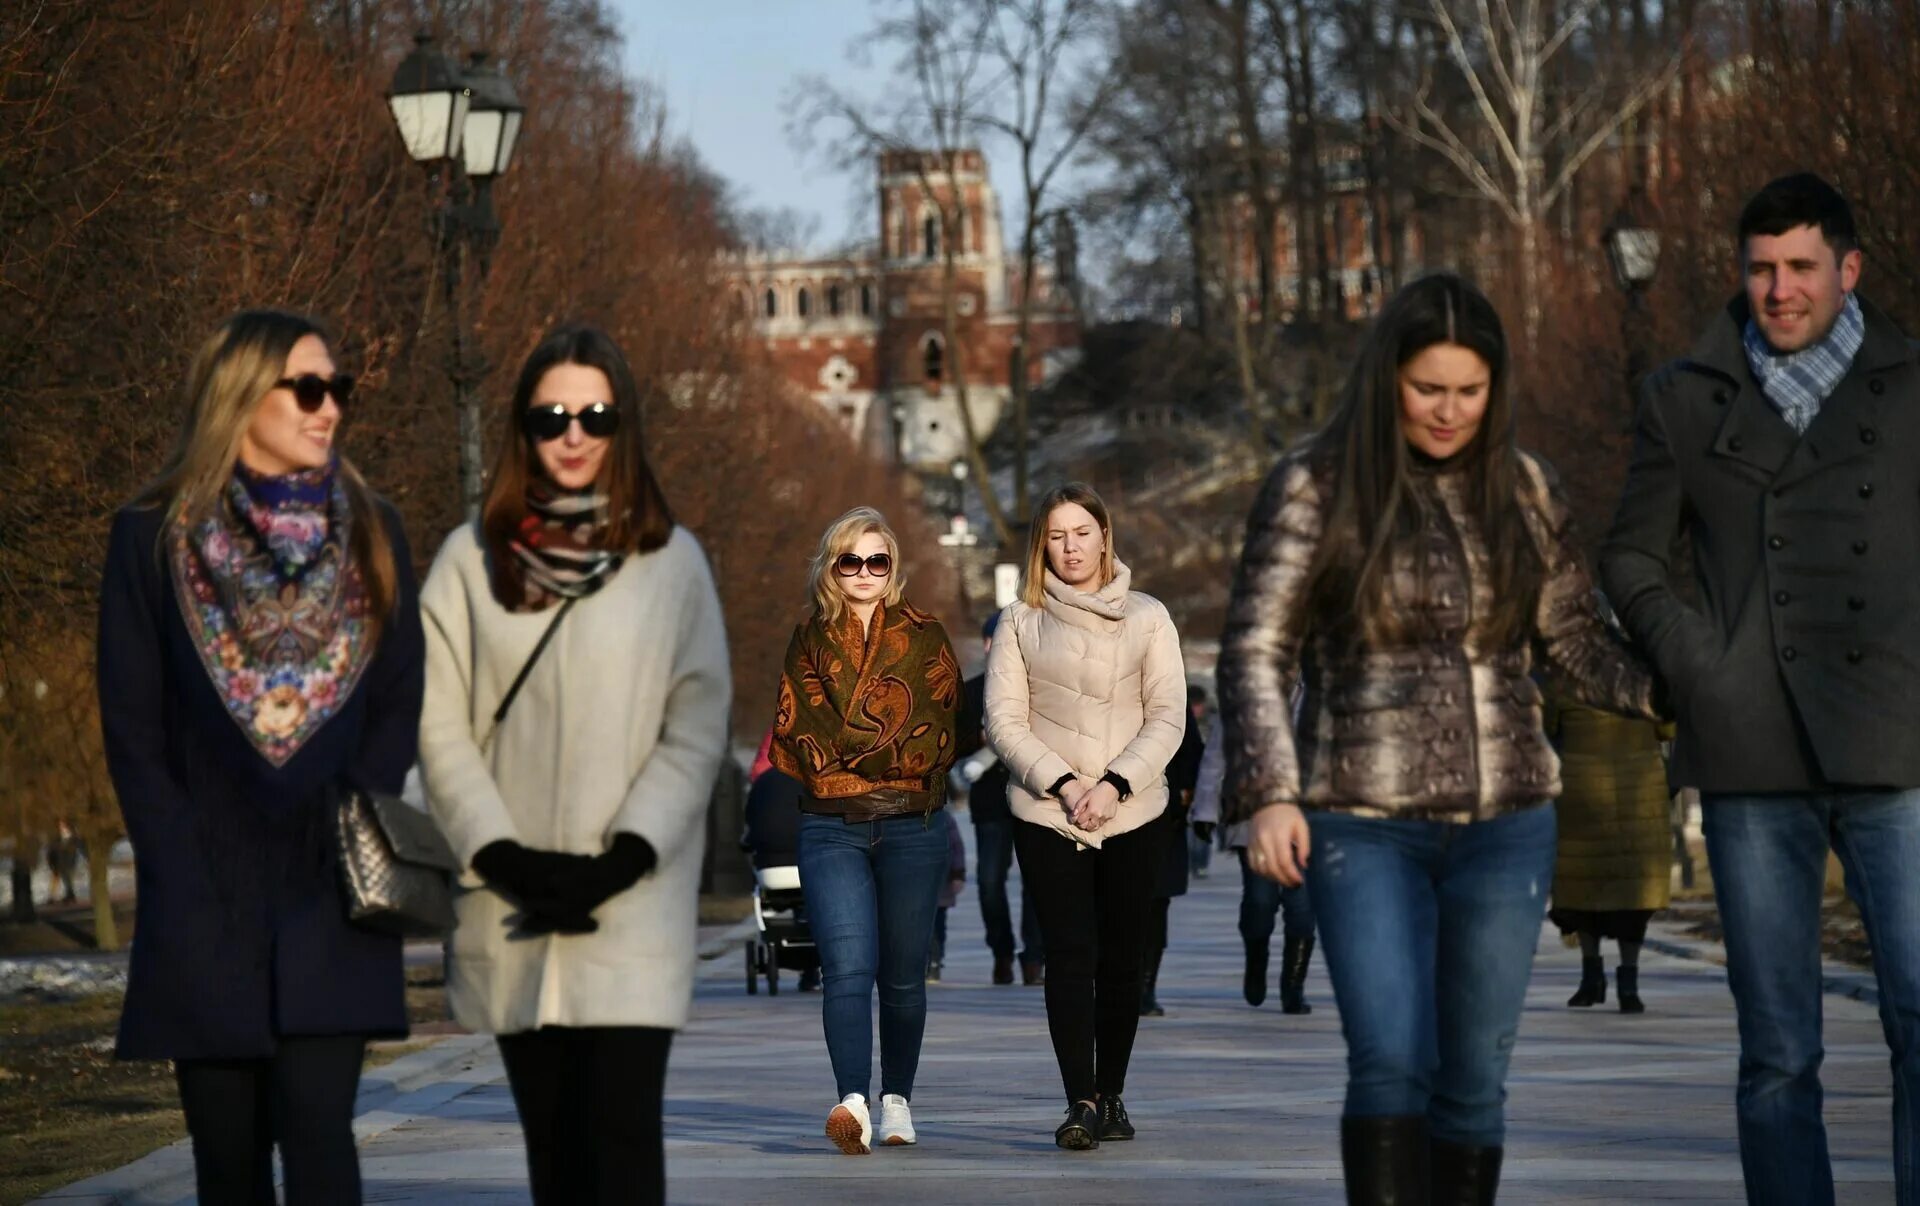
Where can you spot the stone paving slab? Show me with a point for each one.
(1233, 1104)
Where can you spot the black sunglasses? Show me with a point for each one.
(310, 390)
(545, 423)
(848, 565)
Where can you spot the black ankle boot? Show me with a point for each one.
(1293, 975)
(1628, 981)
(1387, 1160)
(1465, 1176)
(1254, 987)
(1149, 979)
(1593, 984)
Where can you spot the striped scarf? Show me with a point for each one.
(1798, 382)
(559, 548)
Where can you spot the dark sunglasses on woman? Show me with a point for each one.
(545, 423)
(847, 565)
(310, 390)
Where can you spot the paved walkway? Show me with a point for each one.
(1233, 1104)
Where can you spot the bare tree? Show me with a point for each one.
(1032, 40)
(945, 54)
(1516, 119)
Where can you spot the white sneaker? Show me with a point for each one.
(896, 1121)
(850, 1126)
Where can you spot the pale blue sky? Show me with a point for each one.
(725, 67)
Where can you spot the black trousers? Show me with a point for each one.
(589, 1101)
(1095, 908)
(301, 1098)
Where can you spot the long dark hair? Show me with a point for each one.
(232, 373)
(639, 519)
(1375, 510)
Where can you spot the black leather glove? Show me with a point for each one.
(1203, 830)
(536, 881)
(619, 867)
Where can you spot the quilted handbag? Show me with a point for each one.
(397, 867)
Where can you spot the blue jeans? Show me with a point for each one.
(1769, 860)
(1261, 898)
(993, 859)
(1429, 931)
(872, 890)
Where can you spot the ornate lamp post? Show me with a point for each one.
(462, 125)
(1632, 244)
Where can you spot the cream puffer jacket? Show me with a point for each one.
(1083, 685)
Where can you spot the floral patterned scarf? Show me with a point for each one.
(859, 711)
(274, 605)
(559, 546)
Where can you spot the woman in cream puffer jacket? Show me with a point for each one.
(1086, 704)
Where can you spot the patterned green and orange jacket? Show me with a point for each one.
(867, 718)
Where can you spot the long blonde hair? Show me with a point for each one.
(841, 535)
(1033, 587)
(231, 375)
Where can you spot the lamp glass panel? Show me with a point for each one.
(509, 136)
(483, 141)
(430, 123)
(1636, 252)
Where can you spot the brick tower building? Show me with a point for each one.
(864, 334)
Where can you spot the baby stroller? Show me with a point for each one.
(781, 938)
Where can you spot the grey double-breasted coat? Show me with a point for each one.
(1799, 667)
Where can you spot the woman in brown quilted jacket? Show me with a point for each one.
(1419, 561)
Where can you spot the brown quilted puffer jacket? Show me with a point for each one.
(1444, 725)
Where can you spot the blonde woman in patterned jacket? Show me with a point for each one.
(1418, 559)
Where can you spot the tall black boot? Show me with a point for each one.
(1465, 1176)
(1593, 984)
(1254, 986)
(1149, 978)
(1387, 1160)
(1627, 979)
(1293, 975)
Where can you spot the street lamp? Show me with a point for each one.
(462, 125)
(1632, 244)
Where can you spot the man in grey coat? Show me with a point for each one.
(1786, 447)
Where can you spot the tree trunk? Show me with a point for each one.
(106, 934)
(957, 366)
(23, 910)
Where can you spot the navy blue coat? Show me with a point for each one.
(241, 934)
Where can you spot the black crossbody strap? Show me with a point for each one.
(520, 679)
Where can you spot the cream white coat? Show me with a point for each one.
(1086, 684)
(620, 727)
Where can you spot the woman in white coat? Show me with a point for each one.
(1086, 705)
(576, 715)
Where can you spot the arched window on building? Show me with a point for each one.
(933, 360)
(833, 301)
(803, 302)
(930, 236)
(866, 301)
(771, 304)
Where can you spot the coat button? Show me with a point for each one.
(1735, 444)
(1789, 653)
(1856, 603)
(1868, 435)
(1776, 543)
(1866, 490)
(1877, 385)
(1781, 597)
(1859, 548)
(1853, 657)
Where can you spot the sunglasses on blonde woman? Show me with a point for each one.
(849, 565)
(310, 390)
